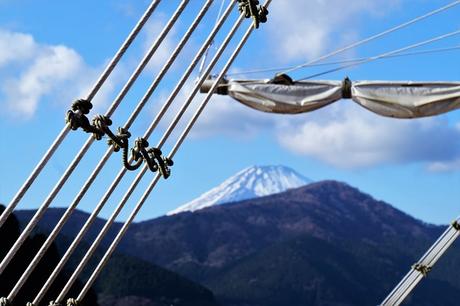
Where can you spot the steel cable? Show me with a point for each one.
(138, 178)
(383, 55)
(107, 155)
(62, 135)
(40, 212)
(101, 204)
(353, 60)
(429, 259)
(353, 45)
(144, 197)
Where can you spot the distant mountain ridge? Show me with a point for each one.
(324, 244)
(252, 182)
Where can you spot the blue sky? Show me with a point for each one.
(51, 51)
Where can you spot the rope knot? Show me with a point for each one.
(346, 88)
(72, 302)
(82, 105)
(251, 8)
(423, 269)
(164, 163)
(119, 141)
(4, 302)
(54, 303)
(456, 225)
(100, 126)
(139, 145)
(76, 118)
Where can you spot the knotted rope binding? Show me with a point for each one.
(72, 302)
(251, 8)
(423, 269)
(100, 127)
(4, 302)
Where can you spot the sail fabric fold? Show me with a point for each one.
(402, 99)
(407, 99)
(299, 97)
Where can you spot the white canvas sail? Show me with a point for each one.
(404, 99)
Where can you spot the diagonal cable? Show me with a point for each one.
(138, 178)
(144, 197)
(109, 152)
(40, 212)
(103, 201)
(286, 70)
(352, 60)
(387, 54)
(62, 135)
(374, 37)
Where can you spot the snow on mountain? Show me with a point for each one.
(252, 182)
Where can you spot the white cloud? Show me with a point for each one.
(343, 134)
(304, 29)
(447, 166)
(223, 116)
(53, 66)
(15, 47)
(358, 138)
(162, 54)
(36, 71)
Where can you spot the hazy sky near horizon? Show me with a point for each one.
(52, 51)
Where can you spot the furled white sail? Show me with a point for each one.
(300, 97)
(402, 99)
(407, 99)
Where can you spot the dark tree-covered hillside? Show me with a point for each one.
(9, 232)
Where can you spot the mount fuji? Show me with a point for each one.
(252, 182)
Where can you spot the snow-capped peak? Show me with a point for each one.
(249, 183)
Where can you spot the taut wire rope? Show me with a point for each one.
(110, 190)
(109, 152)
(424, 266)
(286, 70)
(184, 134)
(203, 61)
(40, 212)
(62, 135)
(383, 55)
(352, 60)
(138, 178)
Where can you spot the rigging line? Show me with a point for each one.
(107, 155)
(64, 132)
(203, 62)
(371, 59)
(429, 259)
(140, 175)
(371, 38)
(422, 52)
(40, 212)
(138, 178)
(114, 184)
(144, 197)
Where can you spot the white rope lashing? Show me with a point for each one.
(138, 178)
(109, 152)
(123, 171)
(144, 197)
(60, 138)
(424, 266)
(40, 212)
